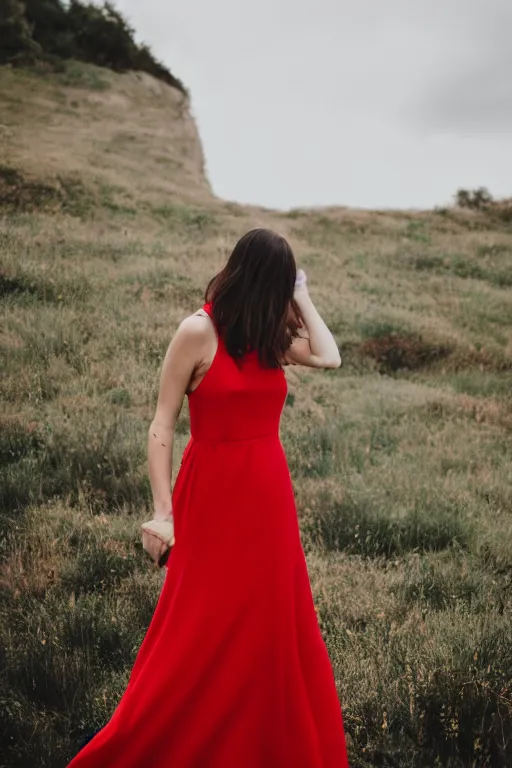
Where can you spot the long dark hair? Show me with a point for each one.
(252, 298)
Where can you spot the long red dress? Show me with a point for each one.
(233, 671)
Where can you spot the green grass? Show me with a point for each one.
(192, 221)
(78, 74)
(460, 266)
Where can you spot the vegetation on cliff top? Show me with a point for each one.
(48, 32)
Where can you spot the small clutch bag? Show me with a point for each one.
(158, 539)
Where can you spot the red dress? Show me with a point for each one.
(233, 671)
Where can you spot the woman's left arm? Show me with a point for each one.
(318, 349)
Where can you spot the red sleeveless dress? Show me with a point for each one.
(233, 671)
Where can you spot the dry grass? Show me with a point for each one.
(401, 458)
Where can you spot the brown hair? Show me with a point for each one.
(252, 297)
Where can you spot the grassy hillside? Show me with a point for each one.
(401, 458)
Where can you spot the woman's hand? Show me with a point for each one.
(318, 349)
(158, 539)
(301, 287)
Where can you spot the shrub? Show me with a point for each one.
(394, 352)
(475, 199)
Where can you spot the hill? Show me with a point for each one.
(401, 458)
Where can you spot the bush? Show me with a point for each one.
(499, 212)
(475, 199)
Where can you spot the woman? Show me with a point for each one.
(233, 671)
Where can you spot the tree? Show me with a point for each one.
(15, 36)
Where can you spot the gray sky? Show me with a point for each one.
(364, 103)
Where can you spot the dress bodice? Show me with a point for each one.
(236, 401)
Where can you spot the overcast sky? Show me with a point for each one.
(363, 103)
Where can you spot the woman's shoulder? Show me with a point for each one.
(196, 327)
(195, 337)
(195, 323)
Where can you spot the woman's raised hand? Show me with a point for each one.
(300, 282)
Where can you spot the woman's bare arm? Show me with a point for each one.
(184, 354)
(316, 348)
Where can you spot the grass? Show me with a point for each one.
(78, 74)
(461, 266)
(400, 458)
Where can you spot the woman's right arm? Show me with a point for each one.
(184, 354)
(318, 347)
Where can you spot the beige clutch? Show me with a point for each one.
(158, 540)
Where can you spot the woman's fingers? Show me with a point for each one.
(148, 542)
(153, 545)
